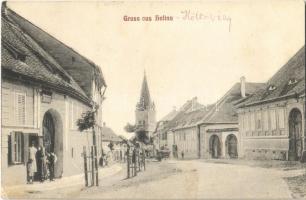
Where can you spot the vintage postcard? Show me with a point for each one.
(153, 99)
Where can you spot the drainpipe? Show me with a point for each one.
(199, 140)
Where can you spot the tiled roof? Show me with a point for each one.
(190, 114)
(109, 135)
(170, 116)
(290, 79)
(80, 68)
(21, 55)
(224, 111)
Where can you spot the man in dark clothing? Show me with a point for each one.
(51, 162)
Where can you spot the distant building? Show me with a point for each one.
(210, 131)
(182, 130)
(272, 121)
(160, 133)
(109, 137)
(46, 86)
(145, 119)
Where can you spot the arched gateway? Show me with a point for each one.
(231, 146)
(214, 146)
(295, 135)
(53, 138)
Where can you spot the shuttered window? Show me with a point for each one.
(16, 145)
(20, 108)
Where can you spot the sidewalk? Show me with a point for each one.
(76, 180)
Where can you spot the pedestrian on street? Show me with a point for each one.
(52, 158)
(41, 160)
(182, 153)
(31, 165)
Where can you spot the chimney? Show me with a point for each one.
(242, 86)
(193, 103)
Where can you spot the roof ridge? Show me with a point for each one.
(53, 63)
(87, 60)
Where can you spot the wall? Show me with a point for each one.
(269, 139)
(68, 111)
(187, 141)
(222, 135)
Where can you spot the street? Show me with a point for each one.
(198, 179)
(190, 179)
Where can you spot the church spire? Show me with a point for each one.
(145, 99)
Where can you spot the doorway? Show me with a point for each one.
(295, 135)
(215, 146)
(231, 146)
(53, 138)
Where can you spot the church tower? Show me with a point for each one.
(145, 110)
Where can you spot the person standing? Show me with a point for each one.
(182, 153)
(52, 158)
(41, 160)
(32, 165)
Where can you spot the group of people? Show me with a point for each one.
(40, 164)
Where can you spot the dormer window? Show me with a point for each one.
(272, 87)
(292, 81)
(15, 52)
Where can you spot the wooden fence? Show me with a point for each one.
(91, 167)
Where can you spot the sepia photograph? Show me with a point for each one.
(153, 99)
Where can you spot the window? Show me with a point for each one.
(258, 120)
(252, 121)
(273, 119)
(20, 109)
(281, 118)
(16, 147)
(265, 121)
(71, 115)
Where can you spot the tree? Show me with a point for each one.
(87, 121)
(141, 135)
(130, 128)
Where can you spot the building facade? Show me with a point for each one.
(210, 131)
(219, 136)
(42, 100)
(272, 121)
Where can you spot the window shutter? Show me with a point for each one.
(20, 108)
(12, 148)
(25, 147)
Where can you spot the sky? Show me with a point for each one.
(202, 52)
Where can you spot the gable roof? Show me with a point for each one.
(80, 68)
(224, 111)
(22, 56)
(278, 85)
(188, 115)
(109, 135)
(170, 116)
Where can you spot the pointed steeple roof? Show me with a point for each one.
(145, 99)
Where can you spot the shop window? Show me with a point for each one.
(16, 148)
